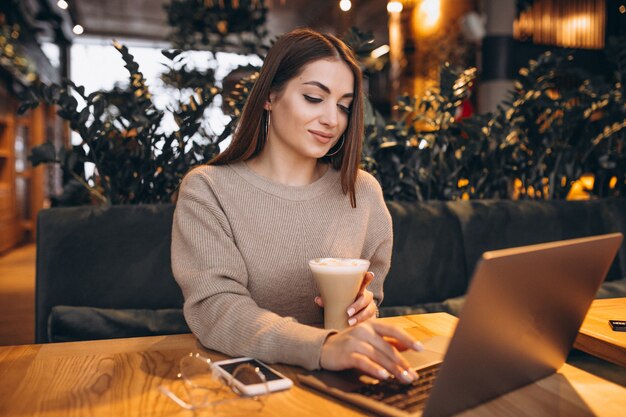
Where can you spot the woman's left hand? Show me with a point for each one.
(364, 308)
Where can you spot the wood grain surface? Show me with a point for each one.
(596, 336)
(118, 378)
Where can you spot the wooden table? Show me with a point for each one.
(596, 336)
(120, 378)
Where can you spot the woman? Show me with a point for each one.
(287, 190)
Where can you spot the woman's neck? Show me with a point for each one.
(283, 170)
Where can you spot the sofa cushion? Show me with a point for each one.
(612, 289)
(428, 262)
(69, 323)
(451, 306)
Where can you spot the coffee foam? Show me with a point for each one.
(338, 265)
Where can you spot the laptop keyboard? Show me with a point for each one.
(406, 397)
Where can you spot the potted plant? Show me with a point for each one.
(135, 160)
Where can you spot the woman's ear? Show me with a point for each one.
(268, 103)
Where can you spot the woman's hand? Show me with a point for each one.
(372, 347)
(364, 307)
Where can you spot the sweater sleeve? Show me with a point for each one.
(379, 235)
(213, 277)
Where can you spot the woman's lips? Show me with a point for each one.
(321, 137)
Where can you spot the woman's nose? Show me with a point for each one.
(330, 117)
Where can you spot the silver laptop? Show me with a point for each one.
(520, 319)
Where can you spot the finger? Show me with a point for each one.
(378, 358)
(365, 314)
(369, 277)
(395, 343)
(389, 351)
(365, 364)
(363, 301)
(397, 333)
(318, 300)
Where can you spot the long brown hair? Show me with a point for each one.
(284, 61)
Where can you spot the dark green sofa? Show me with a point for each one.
(105, 272)
(437, 244)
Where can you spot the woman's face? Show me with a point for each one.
(311, 113)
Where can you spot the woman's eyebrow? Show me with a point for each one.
(326, 89)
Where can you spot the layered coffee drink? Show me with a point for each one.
(338, 281)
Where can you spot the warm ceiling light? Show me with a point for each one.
(62, 4)
(380, 51)
(394, 7)
(345, 5)
(622, 9)
(78, 30)
(429, 11)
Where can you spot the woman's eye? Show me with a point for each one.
(345, 109)
(312, 99)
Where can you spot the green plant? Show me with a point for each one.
(135, 160)
(422, 154)
(557, 124)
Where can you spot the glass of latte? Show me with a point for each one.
(338, 281)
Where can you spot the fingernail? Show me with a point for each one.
(352, 322)
(384, 374)
(351, 311)
(418, 346)
(406, 376)
(414, 374)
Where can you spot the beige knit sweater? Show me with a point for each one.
(240, 250)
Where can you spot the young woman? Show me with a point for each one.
(287, 190)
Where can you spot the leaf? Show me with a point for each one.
(24, 107)
(84, 115)
(80, 90)
(171, 54)
(98, 107)
(43, 154)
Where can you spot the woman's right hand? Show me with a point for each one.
(373, 348)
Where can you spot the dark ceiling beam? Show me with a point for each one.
(145, 19)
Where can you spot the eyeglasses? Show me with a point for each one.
(200, 385)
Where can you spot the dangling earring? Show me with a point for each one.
(343, 140)
(267, 124)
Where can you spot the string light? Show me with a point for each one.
(380, 51)
(78, 30)
(345, 5)
(394, 7)
(62, 4)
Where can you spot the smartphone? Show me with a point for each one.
(618, 325)
(275, 380)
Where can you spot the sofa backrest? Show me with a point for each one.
(437, 244)
(496, 224)
(110, 257)
(118, 257)
(428, 259)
